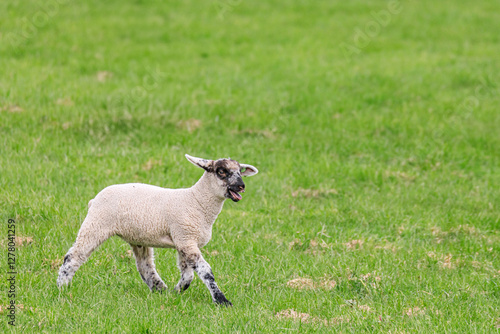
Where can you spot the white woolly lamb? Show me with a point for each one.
(147, 216)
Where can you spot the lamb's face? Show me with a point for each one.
(226, 174)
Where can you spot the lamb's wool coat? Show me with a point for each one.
(152, 216)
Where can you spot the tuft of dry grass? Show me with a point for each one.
(189, 125)
(444, 261)
(22, 241)
(301, 283)
(293, 243)
(387, 246)
(66, 101)
(292, 314)
(128, 254)
(308, 319)
(213, 253)
(414, 312)
(53, 263)
(12, 108)
(103, 76)
(365, 308)
(151, 163)
(354, 244)
(307, 283)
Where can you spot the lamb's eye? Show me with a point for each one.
(221, 172)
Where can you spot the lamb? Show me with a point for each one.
(148, 216)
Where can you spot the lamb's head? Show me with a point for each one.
(225, 175)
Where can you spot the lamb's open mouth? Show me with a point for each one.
(234, 195)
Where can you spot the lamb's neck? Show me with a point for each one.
(209, 202)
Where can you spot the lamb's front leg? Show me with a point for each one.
(205, 273)
(191, 259)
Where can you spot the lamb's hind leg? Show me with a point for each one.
(144, 258)
(86, 242)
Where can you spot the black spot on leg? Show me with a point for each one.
(142, 276)
(214, 287)
(209, 277)
(66, 259)
(185, 286)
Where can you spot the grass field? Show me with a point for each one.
(375, 127)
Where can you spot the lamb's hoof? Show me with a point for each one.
(157, 289)
(160, 291)
(179, 290)
(221, 300)
(158, 286)
(225, 303)
(63, 282)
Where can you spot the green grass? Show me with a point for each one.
(397, 145)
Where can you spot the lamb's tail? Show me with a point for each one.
(90, 203)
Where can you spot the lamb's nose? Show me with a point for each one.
(242, 187)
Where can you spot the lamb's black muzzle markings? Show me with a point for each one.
(175, 218)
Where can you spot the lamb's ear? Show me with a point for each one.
(202, 163)
(248, 170)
